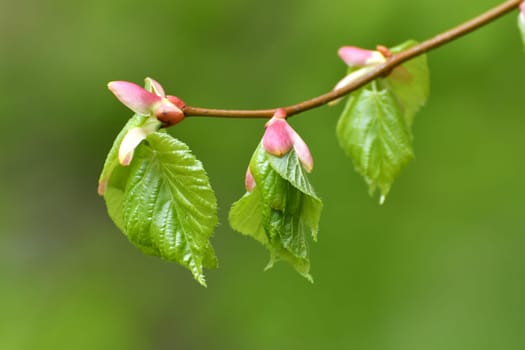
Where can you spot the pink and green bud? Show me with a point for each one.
(154, 103)
(358, 57)
(249, 181)
(134, 97)
(279, 138)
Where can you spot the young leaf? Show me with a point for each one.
(290, 169)
(164, 204)
(373, 132)
(251, 217)
(410, 83)
(246, 216)
(281, 210)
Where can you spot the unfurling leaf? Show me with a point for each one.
(374, 133)
(375, 128)
(163, 201)
(281, 210)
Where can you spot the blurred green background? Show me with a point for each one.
(439, 266)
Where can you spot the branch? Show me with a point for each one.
(381, 70)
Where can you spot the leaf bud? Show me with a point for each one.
(277, 139)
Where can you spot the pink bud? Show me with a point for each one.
(168, 110)
(276, 139)
(280, 137)
(134, 97)
(522, 12)
(357, 57)
(249, 181)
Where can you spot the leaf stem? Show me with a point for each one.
(392, 62)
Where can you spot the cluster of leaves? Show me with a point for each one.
(159, 195)
(281, 210)
(161, 199)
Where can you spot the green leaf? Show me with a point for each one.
(373, 132)
(164, 204)
(281, 211)
(289, 168)
(245, 216)
(410, 83)
(251, 217)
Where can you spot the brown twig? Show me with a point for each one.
(380, 70)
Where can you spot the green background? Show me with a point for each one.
(439, 266)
